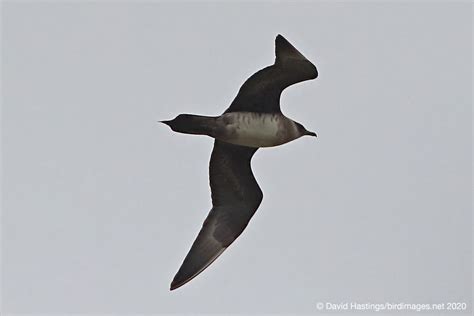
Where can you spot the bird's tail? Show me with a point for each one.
(193, 124)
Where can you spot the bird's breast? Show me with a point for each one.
(256, 129)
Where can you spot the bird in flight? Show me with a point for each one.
(253, 120)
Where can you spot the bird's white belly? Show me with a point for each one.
(257, 129)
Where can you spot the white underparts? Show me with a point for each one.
(256, 129)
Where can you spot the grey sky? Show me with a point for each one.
(101, 204)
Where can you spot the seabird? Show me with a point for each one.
(253, 120)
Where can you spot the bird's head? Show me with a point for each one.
(302, 131)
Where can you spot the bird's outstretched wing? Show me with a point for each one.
(261, 92)
(235, 198)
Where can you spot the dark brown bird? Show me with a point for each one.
(253, 120)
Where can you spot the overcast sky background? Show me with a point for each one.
(101, 203)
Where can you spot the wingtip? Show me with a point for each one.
(284, 50)
(280, 38)
(174, 286)
(182, 277)
(178, 281)
(286, 53)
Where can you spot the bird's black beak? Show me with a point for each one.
(311, 134)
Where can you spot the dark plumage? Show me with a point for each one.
(261, 92)
(235, 198)
(239, 132)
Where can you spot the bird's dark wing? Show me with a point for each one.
(235, 198)
(261, 92)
